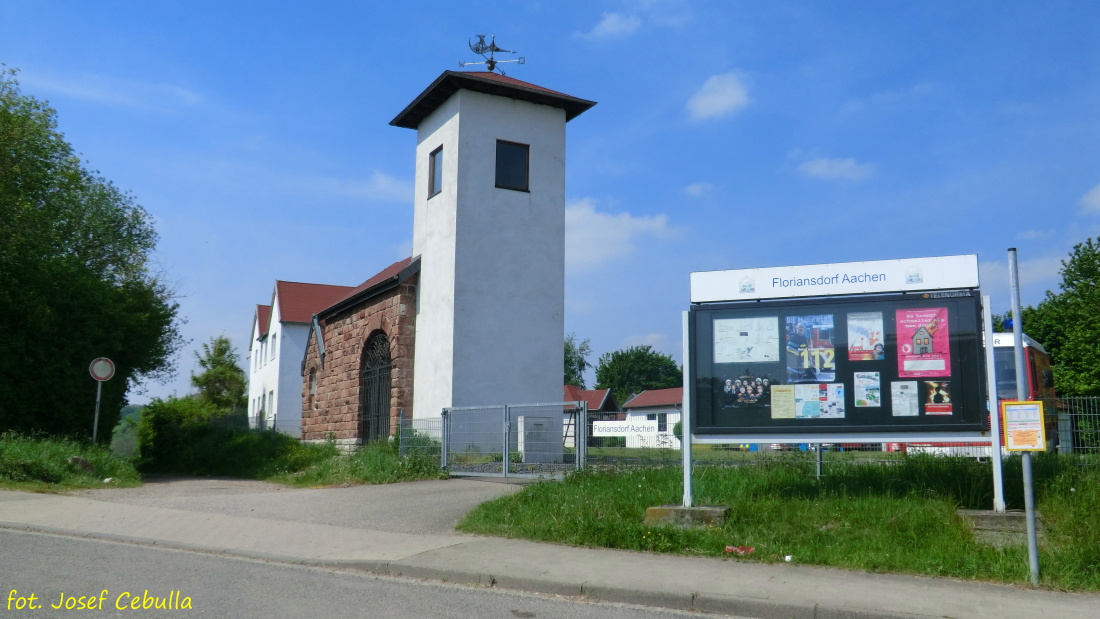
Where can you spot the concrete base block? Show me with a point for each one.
(1000, 529)
(698, 516)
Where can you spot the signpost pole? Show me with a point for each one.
(101, 369)
(1021, 394)
(994, 416)
(98, 393)
(685, 419)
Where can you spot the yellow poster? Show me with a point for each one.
(1023, 425)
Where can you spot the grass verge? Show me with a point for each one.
(375, 463)
(41, 464)
(899, 518)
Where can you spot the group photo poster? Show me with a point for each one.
(809, 344)
(865, 337)
(923, 343)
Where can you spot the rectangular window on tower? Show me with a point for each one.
(435, 172)
(512, 165)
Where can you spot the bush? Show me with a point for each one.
(186, 436)
(36, 460)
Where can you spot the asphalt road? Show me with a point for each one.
(51, 566)
(431, 507)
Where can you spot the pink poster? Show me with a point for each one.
(923, 342)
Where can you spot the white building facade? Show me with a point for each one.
(278, 342)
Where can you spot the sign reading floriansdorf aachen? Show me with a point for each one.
(821, 280)
(880, 350)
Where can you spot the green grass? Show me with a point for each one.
(41, 464)
(375, 463)
(885, 518)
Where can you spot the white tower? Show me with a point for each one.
(489, 227)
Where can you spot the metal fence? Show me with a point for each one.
(520, 440)
(551, 439)
(1072, 428)
(1078, 425)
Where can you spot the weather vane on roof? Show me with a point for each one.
(487, 51)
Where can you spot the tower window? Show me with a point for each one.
(512, 165)
(435, 172)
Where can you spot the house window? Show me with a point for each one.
(274, 336)
(435, 172)
(661, 419)
(512, 165)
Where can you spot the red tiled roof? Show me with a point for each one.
(263, 317)
(595, 398)
(657, 397)
(298, 302)
(486, 82)
(390, 272)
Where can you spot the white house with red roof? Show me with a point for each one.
(665, 406)
(277, 345)
(600, 403)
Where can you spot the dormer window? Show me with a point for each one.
(512, 165)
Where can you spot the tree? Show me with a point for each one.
(576, 360)
(1067, 323)
(222, 383)
(633, 370)
(74, 280)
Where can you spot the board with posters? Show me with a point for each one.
(882, 364)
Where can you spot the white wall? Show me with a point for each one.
(281, 375)
(492, 287)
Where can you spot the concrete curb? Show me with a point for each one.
(675, 600)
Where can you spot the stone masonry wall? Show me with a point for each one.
(333, 411)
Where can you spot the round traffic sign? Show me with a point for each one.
(102, 369)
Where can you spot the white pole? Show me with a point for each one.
(994, 408)
(685, 418)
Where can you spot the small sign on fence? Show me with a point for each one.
(623, 428)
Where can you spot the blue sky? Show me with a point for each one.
(727, 135)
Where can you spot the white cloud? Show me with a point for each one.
(1037, 275)
(614, 24)
(696, 190)
(656, 340)
(379, 187)
(719, 96)
(1090, 202)
(593, 238)
(837, 169)
(115, 92)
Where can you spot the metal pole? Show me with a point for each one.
(504, 459)
(581, 434)
(1021, 394)
(444, 449)
(820, 448)
(685, 418)
(994, 412)
(95, 423)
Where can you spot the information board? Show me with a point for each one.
(876, 364)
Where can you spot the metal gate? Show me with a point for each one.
(518, 440)
(374, 389)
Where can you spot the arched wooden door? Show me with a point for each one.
(374, 389)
